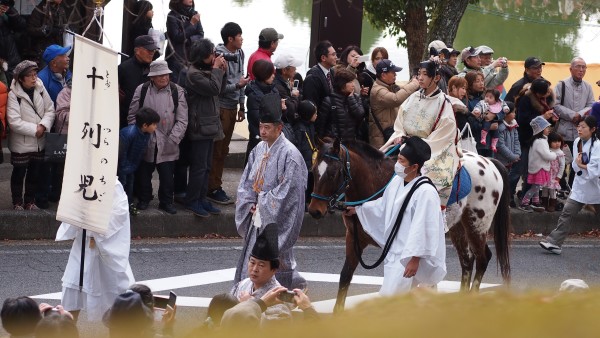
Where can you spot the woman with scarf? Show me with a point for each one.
(183, 28)
(142, 22)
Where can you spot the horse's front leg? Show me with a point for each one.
(459, 239)
(350, 264)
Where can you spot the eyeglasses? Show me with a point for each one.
(582, 67)
(34, 74)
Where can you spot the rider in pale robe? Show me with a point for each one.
(271, 190)
(418, 253)
(428, 114)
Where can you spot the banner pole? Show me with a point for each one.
(82, 260)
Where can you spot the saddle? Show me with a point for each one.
(461, 186)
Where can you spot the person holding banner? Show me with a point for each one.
(106, 269)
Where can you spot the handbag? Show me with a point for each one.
(387, 132)
(56, 146)
(468, 143)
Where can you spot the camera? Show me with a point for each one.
(287, 296)
(8, 3)
(228, 56)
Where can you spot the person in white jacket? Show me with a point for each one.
(29, 113)
(106, 272)
(538, 167)
(586, 185)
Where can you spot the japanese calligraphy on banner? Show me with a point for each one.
(93, 144)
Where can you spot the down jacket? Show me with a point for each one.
(24, 118)
(340, 116)
(385, 101)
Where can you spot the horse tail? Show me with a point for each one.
(502, 224)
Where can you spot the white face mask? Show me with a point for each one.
(399, 169)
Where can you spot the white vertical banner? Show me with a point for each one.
(93, 142)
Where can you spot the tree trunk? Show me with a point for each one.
(445, 19)
(415, 28)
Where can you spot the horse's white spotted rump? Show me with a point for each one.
(322, 169)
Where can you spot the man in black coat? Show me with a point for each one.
(134, 72)
(533, 70)
(10, 23)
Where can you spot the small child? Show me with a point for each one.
(490, 108)
(304, 131)
(540, 158)
(557, 168)
(509, 149)
(133, 140)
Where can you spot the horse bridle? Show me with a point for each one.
(335, 200)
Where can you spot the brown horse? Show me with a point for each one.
(356, 171)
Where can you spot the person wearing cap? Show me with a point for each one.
(448, 69)
(163, 147)
(285, 69)
(574, 98)
(134, 72)
(106, 272)
(30, 112)
(319, 79)
(271, 190)
(54, 76)
(533, 70)
(386, 98)
(46, 27)
(56, 73)
(230, 98)
(471, 59)
(438, 45)
(262, 266)
(206, 78)
(417, 256)
(268, 40)
(183, 29)
(429, 115)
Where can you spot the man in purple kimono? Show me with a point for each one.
(271, 190)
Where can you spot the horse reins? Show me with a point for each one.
(335, 200)
(390, 240)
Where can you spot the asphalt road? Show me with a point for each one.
(36, 267)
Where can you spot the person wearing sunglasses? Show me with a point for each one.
(586, 185)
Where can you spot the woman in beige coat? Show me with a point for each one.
(30, 112)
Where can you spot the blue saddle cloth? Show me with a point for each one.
(461, 189)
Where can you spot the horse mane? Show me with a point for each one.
(365, 149)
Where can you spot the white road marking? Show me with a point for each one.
(225, 275)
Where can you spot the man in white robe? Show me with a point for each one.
(271, 190)
(107, 272)
(418, 253)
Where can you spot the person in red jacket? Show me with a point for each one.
(268, 40)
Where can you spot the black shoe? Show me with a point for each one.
(513, 204)
(168, 208)
(142, 205)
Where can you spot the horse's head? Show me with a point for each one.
(331, 172)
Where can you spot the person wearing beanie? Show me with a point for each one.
(304, 131)
(417, 256)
